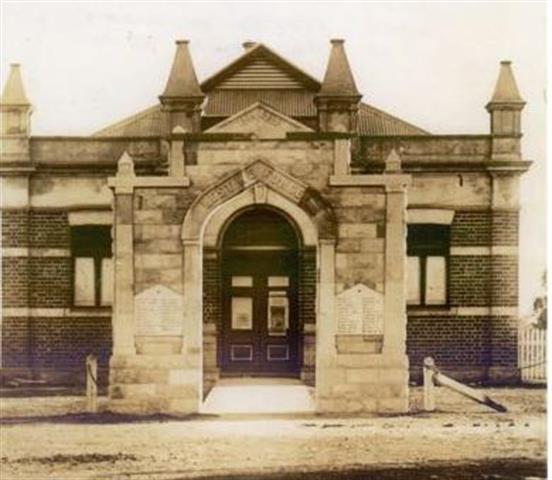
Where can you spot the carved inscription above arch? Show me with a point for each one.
(263, 176)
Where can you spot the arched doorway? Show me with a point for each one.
(260, 331)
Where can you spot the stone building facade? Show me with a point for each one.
(260, 222)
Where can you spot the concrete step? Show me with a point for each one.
(251, 395)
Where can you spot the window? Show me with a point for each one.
(427, 264)
(92, 265)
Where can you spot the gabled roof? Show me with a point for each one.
(260, 75)
(260, 67)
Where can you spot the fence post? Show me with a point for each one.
(91, 384)
(429, 385)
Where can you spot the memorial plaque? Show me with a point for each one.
(158, 311)
(360, 311)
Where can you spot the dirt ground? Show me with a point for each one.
(50, 437)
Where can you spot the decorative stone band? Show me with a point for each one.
(54, 312)
(392, 181)
(495, 311)
(35, 252)
(508, 250)
(126, 185)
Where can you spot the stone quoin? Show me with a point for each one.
(260, 222)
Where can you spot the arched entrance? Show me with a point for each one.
(260, 325)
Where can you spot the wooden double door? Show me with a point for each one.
(260, 334)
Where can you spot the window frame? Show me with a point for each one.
(429, 240)
(90, 241)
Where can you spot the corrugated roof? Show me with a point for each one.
(224, 103)
(147, 123)
(372, 121)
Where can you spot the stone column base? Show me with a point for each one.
(149, 384)
(365, 383)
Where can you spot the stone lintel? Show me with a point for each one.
(439, 216)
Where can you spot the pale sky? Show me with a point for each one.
(86, 65)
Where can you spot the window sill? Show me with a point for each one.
(428, 310)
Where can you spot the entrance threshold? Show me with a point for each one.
(259, 395)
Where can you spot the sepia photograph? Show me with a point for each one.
(273, 240)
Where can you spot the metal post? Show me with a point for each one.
(91, 384)
(429, 385)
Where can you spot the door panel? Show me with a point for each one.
(259, 328)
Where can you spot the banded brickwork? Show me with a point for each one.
(43, 335)
(474, 336)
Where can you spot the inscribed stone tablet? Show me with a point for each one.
(158, 311)
(360, 311)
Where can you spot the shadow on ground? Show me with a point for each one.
(105, 418)
(497, 469)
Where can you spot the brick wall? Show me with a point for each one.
(50, 281)
(474, 347)
(307, 287)
(62, 344)
(15, 342)
(48, 347)
(49, 229)
(504, 288)
(307, 313)
(471, 228)
(459, 344)
(505, 228)
(469, 280)
(15, 281)
(212, 289)
(15, 228)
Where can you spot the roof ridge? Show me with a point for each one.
(210, 82)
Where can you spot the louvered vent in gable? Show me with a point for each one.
(260, 73)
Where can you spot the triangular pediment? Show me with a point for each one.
(260, 67)
(261, 121)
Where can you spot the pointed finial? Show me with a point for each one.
(125, 166)
(506, 90)
(14, 92)
(338, 79)
(393, 162)
(182, 82)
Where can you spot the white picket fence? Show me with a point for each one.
(532, 354)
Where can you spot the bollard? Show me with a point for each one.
(429, 385)
(91, 384)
